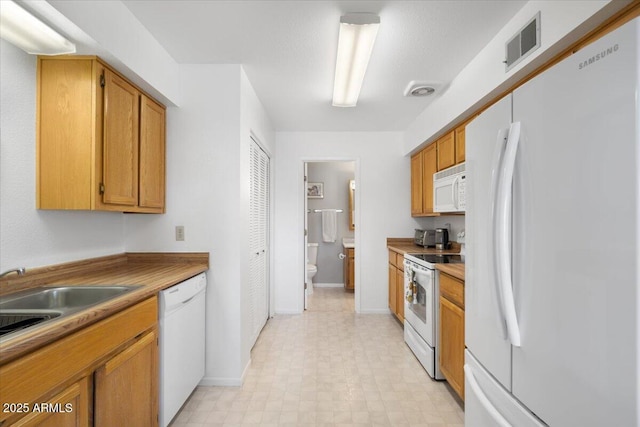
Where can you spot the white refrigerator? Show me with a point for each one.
(552, 233)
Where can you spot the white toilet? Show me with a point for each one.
(312, 269)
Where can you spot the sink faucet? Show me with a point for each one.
(20, 271)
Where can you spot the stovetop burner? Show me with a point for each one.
(438, 259)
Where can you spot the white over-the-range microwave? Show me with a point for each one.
(449, 189)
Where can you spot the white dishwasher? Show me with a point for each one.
(181, 340)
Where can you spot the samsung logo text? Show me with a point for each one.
(597, 57)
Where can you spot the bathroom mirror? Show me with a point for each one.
(352, 196)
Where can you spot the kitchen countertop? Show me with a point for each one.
(406, 246)
(455, 270)
(152, 271)
(348, 243)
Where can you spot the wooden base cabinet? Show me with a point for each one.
(452, 332)
(103, 375)
(396, 284)
(349, 269)
(100, 141)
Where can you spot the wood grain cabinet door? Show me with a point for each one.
(70, 408)
(392, 288)
(416, 184)
(400, 294)
(460, 144)
(446, 151)
(350, 272)
(120, 141)
(152, 154)
(429, 167)
(126, 390)
(452, 345)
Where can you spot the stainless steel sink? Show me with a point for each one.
(25, 309)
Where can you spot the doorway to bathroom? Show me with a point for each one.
(330, 223)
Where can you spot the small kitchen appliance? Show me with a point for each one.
(441, 238)
(449, 189)
(425, 238)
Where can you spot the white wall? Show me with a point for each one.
(484, 78)
(30, 237)
(208, 193)
(382, 209)
(121, 40)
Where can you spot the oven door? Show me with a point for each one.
(420, 311)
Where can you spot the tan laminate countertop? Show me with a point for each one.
(406, 246)
(455, 270)
(152, 271)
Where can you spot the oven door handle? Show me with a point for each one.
(424, 274)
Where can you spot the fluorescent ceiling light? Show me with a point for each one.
(357, 35)
(21, 28)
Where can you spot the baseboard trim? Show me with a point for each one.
(220, 382)
(328, 285)
(287, 312)
(376, 311)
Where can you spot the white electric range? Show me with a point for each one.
(421, 312)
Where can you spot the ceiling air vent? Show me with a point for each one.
(523, 43)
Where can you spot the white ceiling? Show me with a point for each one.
(288, 50)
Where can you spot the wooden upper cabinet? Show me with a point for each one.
(446, 151)
(100, 142)
(460, 143)
(121, 141)
(152, 154)
(416, 184)
(66, 133)
(443, 153)
(429, 167)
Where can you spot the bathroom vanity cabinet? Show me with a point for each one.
(349, 270)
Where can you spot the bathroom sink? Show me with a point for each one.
(31, 307)
(349, 242)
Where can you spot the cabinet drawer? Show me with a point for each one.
(400, 261)
(452, 289)
(392, 257)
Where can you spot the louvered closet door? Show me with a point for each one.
(258, 240)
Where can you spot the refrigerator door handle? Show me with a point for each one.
(496, 166)
(502, 234)
(482, 398)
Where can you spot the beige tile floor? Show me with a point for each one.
(328, 367)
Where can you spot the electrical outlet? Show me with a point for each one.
(179, 233)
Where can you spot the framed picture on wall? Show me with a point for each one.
(315, 190)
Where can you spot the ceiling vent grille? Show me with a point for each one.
(523, 43)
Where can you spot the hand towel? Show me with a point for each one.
(329, 225)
